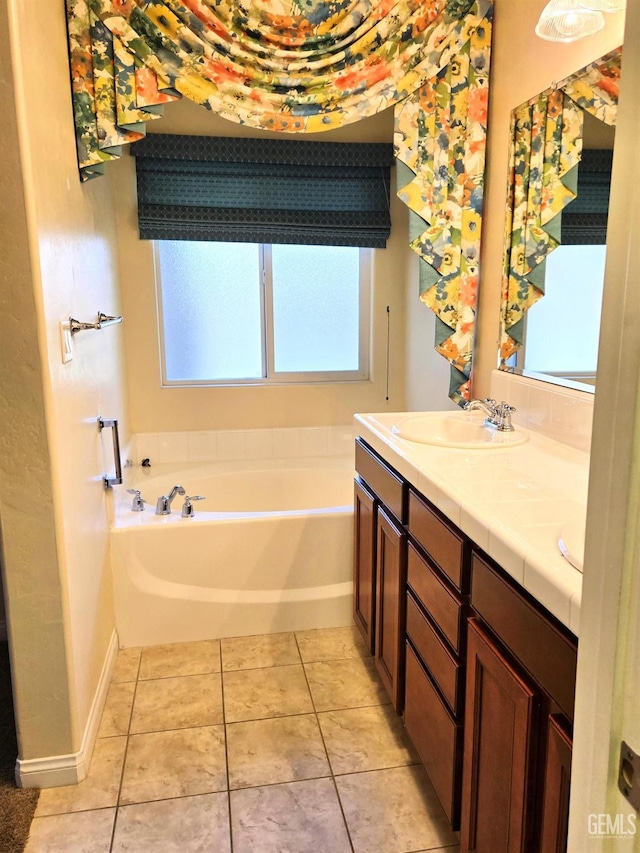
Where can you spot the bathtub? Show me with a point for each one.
(270, 549)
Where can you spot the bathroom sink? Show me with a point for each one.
(456, 429)
(571, 543)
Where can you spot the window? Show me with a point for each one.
(243, 312)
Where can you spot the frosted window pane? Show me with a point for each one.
(316, 293)
(563, 328)
(211, 310)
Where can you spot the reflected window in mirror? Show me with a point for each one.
(555, 241)
(563, 329)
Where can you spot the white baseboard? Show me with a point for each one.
(3, 630)
(57, 770)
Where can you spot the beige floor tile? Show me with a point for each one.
(284, 749)
(393, 811)
(187, 825)
(254, 694)
(83, 832)
(100, 788)
(176, 703)
(331, 644)
(360, 739)
(127, 664)
(179, 763)
(180, 659)
(298, 817)
(260, 651)
(345, 684)
(117, 709)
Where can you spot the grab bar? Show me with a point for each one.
(102, 321)
(117, 480)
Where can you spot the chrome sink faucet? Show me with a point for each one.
(163, 505)
(498, 414)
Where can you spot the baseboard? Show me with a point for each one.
(57, 770)
(3, 630)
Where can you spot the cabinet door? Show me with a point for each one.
(364, 562)
(391, 568)
(498, 744)
(555, 800)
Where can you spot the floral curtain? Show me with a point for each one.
(546, 149)
(306, 66)
(441, 139)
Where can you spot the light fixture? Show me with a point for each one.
(605, 5)
(568, 20)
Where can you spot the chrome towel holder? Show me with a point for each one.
(103, 423)
(102, 321)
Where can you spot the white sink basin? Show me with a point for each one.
(456, 429)
(571, 543)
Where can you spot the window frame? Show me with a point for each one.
(270, 377)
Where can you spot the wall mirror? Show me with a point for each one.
(555, 242)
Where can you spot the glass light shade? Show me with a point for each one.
(605, 5)
(568, 20)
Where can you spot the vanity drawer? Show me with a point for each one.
(441, 604)
(442, 665)
(435, 736)
(445, 546)
(389, 486)
(536, 639)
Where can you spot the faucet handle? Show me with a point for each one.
(504, 412)
(188, 510)
(138, 502)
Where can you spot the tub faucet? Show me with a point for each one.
(137, 505)
(188, 510)
(498, 414)
(163, 505)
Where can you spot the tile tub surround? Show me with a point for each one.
(512, 503)
(559, 413)
(165, 448)
(289, 778)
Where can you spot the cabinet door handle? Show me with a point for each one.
(113, 424)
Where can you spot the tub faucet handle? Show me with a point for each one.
(188, 509)
(138, 502)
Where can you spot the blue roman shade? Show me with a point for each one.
(584, 220)
(263, 190)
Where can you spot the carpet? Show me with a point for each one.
(17, 805)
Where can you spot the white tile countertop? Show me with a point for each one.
(512, 502)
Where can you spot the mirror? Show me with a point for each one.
(555, 245)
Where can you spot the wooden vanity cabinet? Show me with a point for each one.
(365, 507)
(380, 566)
(520, 686)
(437, 607)
(484, 674)
(391, 561)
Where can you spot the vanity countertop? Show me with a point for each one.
(513, 502)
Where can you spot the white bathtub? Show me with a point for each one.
(270, 549)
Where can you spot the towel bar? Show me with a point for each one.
(102, 321)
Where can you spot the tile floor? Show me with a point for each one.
(283, 743)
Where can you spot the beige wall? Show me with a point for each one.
(154, 408)
(60, 239)
(522, 65)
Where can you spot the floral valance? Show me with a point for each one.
(274, 64)
(294, 66)
(546, 149)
